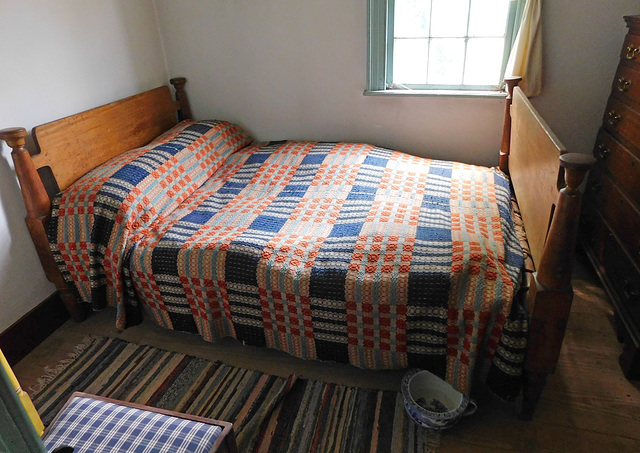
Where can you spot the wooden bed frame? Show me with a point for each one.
(544, 176)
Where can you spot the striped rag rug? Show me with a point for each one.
(269, 413)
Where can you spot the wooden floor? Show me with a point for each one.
(587, 406)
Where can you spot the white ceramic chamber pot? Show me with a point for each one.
(433, 403)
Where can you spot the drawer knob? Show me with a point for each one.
(623, 84)
(613, 117)
(632, 52)
(603, 151)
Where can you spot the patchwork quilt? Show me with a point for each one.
(330, 251)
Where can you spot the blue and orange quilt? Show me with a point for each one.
(331, 251)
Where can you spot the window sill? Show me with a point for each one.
(438, 93)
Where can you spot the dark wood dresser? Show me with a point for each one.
(610, 230)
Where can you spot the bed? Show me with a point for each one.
(328, 251)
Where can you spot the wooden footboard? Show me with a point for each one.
(545, 179)
(70, 147)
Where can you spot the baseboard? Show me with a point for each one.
(31, 330)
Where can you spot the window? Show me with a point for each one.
(440, 44)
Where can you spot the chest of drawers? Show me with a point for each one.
(610, 230)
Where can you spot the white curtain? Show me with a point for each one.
(526, 54)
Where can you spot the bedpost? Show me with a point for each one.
(552, 293)
(181, 97)
(35, 196)
(505, 145)
(38, 211)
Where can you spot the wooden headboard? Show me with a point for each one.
(72, 146)
(102, 133)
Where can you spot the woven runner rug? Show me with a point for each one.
(269, 413)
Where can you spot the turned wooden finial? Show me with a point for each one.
(511, 83)
(575, 166)
(14, 136)
(505, 145)
(181, 96)
(36, 199)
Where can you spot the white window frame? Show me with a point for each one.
(380, 50)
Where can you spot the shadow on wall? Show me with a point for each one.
(72, 56)
(139, 26)
(17, 250)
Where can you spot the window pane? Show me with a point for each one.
(446, 43)
(446, 61)
(411, 19)
(410, 60)
(449, 18)
(484, 61)
(488, 17)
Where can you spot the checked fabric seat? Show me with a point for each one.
(94, 424)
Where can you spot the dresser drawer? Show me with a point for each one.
(623, 120)
(623, 276)
(621, 216)
(630, 53)
(592, 229)
(620, 276)
(619, 161)
(626, 83)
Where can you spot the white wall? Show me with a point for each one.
(582, 43)
(297, 69)
(294, 69)
(58, 58)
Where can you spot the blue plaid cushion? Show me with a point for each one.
(90, 425)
